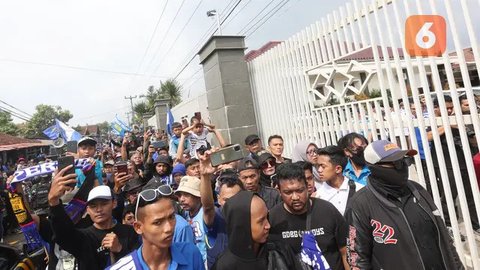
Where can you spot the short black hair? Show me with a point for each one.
(305, 165)
(230, 181)
(446, 97)
(143, 203)
(462, 97)
(274, 137)
(336, 155)
(176, 125)
(347, 140)
(290, 171)
(128, 209)
(190, 162)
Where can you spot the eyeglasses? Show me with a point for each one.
(312, 152)
(401, 163)
(149, 195)
(268, 163)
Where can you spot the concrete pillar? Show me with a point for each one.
(161, 106)
(230, 102)
(145, 118)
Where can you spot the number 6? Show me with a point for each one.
(425, 32)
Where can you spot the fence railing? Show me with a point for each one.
(360, 48)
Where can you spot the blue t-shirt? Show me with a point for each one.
(199, 231)
(98, 173)
(183, 231)
(421, 151)
(185, 256)
(349, 172)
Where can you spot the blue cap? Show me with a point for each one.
(179, 168)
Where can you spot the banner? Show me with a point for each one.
(45, 168)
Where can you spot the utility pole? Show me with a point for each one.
(131, 104)
(128, 118)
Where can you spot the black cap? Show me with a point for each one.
(251, 139)
(247, 164)
(133, 184)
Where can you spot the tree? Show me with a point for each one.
(104, 128)
(44, 117)
(140, 109)
(171, 90)
(6, 124)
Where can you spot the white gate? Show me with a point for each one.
(360, 49)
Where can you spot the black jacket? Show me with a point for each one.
(394, 246)
(270, 195)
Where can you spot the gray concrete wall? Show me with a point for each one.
(230, 102)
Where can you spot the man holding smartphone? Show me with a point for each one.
(86, 149)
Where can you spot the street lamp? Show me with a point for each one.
(212, 13)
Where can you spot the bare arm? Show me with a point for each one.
(206, 193)
(343, 252)
(181, 143)
(219, 138)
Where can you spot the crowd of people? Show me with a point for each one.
(343, 206)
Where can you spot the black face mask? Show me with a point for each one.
(393, 180)
(358, 158)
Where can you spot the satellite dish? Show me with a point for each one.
(59, 142)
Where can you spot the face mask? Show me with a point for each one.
(392, 177)
(358, 157)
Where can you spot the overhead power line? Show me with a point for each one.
(12, 113)
(72, 67)
(252, 21)
(11, 106)
(165, 35)
(149, 43)
(221, 22)
(160, 62)
(275, 9)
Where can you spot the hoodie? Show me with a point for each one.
(152, 174)
(273, 255)
(240, 253)
(300, 154)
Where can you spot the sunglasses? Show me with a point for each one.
(268, 163)
(149, 195)
(401, 163)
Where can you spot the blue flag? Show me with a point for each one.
(52, 132)
(170, 121)
(119, 127)
(60, 129)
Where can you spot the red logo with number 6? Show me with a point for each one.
(425, 35)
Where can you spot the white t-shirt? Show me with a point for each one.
(197, 140)
(337, 197)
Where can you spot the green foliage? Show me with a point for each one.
(44, 117)
(167, 90)
(6, 124)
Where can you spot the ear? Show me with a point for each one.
(137, 226)
(338, 169)
(114, 203)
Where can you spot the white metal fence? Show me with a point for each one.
(360, 48)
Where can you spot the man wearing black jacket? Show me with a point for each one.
(99, 245)
(394, 223)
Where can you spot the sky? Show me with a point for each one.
(87, 56)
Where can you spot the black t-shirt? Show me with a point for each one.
(327, 224)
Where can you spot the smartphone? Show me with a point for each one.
(227, 155)
(63, 162)
(72, 146)
(184, 123)
(198, 115)
(121, 167)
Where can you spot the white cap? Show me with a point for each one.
(100, 192)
